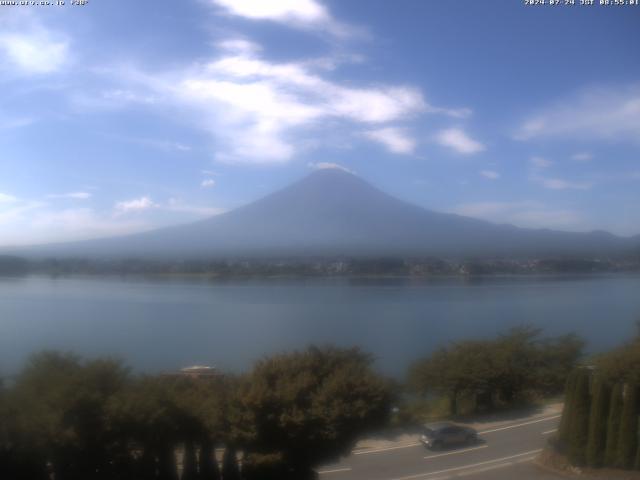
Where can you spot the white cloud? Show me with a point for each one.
(490, 174)
(27, 47)
(395, 139)
(329, 166)
(208, 183)
(527, 214)
(71, 195)
(239, 45)
(560, 184)
(451, 112)
(6, 198)
(540, 162)
(135, 205)
(253, 84)
(78, 224)
(458, 140)
(166, 145)
(307, 11)
(24, 222)
(599, 113)
(307, 14)
(13, 211)
(177, 205)
(582, 157)
(265, 112)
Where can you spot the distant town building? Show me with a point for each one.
(197, 371)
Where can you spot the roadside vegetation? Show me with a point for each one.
(73, 419)
(518, 368)
(600, 426)
(68, 418)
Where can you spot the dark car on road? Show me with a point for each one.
(445, 434)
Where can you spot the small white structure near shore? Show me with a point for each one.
(199, 371)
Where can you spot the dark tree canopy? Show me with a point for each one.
(623, 363)
(93, 420)
(503, 370)
(311, 406)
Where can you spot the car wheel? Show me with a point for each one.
(437, 445)
(472, 439)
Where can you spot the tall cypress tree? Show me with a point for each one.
(207, 461)
(613, 425)
(567, 411)
(230, 469)
(189, 462)
(628, 439)
(579, 420)
(598, 423)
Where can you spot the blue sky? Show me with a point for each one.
(118, 116)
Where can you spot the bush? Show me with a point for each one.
(264, 467)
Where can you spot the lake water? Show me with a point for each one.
(164, 324)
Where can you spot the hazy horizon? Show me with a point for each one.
(327, 169)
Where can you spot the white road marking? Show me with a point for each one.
(457, 451)
(520, 424)
(467, 467)
(492, 467)
(336, 470)
(386, 449)
(550, 431)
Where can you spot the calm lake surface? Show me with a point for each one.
(165, 324)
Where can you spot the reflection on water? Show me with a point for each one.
(157, 324)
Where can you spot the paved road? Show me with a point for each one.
(502, 453)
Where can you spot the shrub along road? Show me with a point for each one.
(503, 452)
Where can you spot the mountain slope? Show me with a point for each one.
(332, 212)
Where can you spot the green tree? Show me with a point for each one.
(200, 403)
(462, 369)
(518, 359)
(579, 420)
(598, 423)
(558, 357)
(147, 416)
(508, 369)
(623, 363)
(230, 469)
(207, 462)
(613, 425)
(18, 460)
(567, 411)
(312, 406)
(62, 414)
(628, 437)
